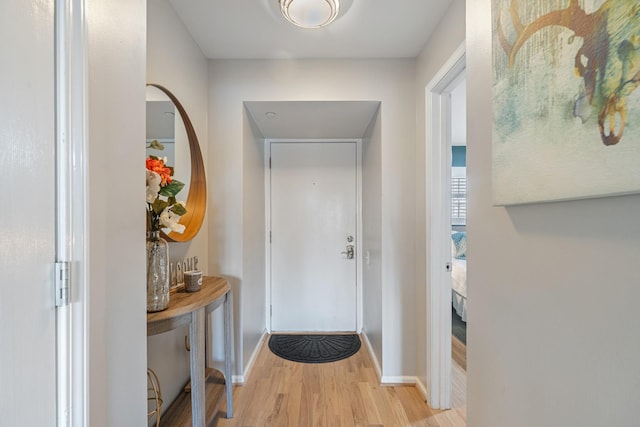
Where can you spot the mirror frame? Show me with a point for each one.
(196, 203)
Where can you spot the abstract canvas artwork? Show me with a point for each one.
(566, 102)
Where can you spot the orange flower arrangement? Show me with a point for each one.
(154, 164)
(163, 210)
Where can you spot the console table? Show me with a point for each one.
(191, 308)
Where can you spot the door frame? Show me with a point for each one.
(438, 222)
(358, 256)
(72, 231)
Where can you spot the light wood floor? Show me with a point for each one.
(459, 352)
(344, 393)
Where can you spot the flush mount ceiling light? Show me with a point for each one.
(310, 13)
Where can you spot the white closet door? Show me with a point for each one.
(27, 235)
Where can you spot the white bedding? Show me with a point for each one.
(459, 286)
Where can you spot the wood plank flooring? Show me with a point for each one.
(459, 352)
(345, 393)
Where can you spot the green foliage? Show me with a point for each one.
(170, 190)
(159, 205)
(155, 144)
(178, 209)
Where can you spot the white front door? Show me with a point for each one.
(313, 223)
(27, 235)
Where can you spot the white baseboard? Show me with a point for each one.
(372, 355)
(422, 388)
(242, 379)
(390, 380)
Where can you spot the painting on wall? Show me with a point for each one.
(566, 112)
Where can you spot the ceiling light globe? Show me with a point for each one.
(310, 13)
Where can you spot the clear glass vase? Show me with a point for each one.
(157, 272)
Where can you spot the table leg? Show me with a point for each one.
(227, 354)
(196, 337)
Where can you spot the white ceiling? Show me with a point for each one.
(255, 29)
(312, 119)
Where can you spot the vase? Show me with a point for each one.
(157, 272)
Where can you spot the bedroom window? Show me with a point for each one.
(459, 201)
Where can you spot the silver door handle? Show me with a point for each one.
(350, 252)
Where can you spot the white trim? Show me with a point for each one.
(267, 234)
(391, 381)
(372, 356)
(242, 379)
(422, 388)
(71, 211)
(162, 140)
(438, 159)
(359, 244)
(359, 239)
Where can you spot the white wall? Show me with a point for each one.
(117, 317)
(459, 113)
(449, 35)
(391, 81)
(398, 226)
(175, 61)
(252, 292)
(554, 290)
(372, 235)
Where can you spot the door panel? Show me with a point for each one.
(27, 239)
(313, 212)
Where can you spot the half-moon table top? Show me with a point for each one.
(182, 302)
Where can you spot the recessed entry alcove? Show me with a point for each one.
(278, 123)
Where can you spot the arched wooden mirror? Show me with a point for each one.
(195, 181)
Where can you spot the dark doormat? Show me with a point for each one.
(314, 348)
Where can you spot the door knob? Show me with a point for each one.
(350, 251)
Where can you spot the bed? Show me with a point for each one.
(459, 273)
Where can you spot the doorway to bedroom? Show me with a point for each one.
(447, 208)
